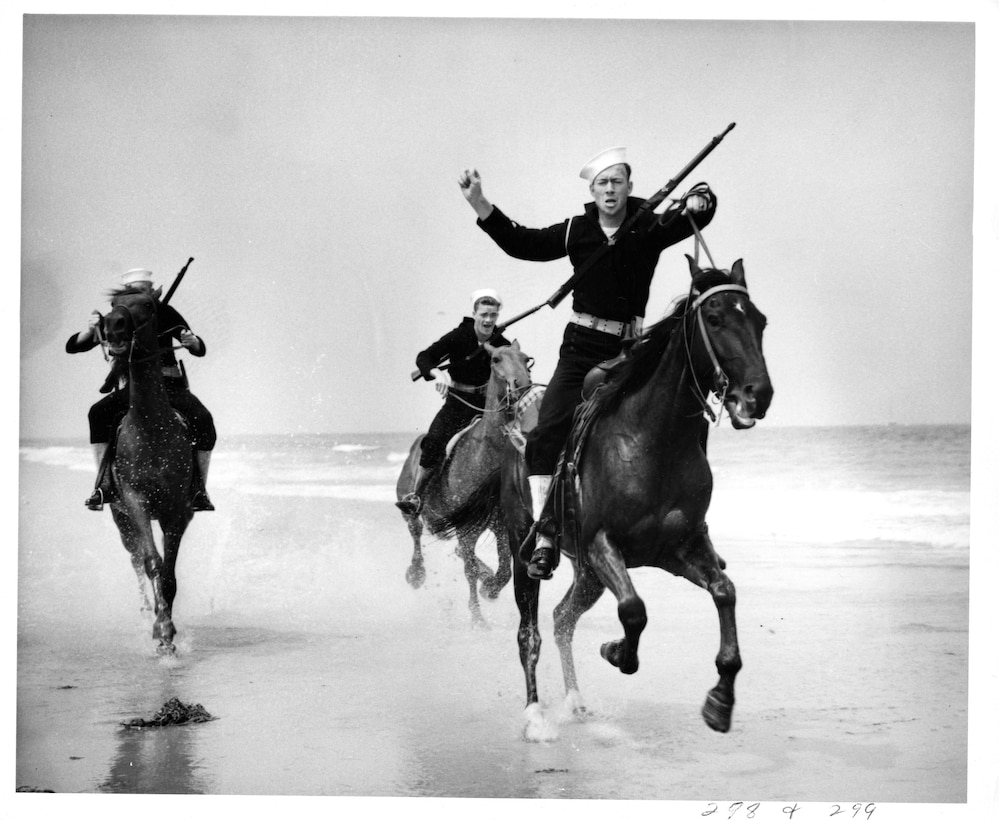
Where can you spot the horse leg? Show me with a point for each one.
(140, 574)
(585, 591)
(172, 534)
(136, 532)
(525, 593)
(416, 574)
(703, 568)
(610, 568)
(492, 585)
(466, 551)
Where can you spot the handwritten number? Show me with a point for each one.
(790, 810)
(713, 807)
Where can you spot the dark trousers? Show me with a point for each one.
(105, 415)
(452, 417)
(582, 350)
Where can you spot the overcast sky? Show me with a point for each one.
(310, 165)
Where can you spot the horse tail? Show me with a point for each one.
(475, 513)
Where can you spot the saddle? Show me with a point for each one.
(559, 517)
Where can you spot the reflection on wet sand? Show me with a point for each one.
(155, 760)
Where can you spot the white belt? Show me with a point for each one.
(596, 323)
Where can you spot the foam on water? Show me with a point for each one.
(824, 485)
(937, 518)
(378, 493)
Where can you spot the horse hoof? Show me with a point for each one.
(574, 707)
(490, 590)
(166, 649)
(613, 652)
(415, 576)
(717, 713)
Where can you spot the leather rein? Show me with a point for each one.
(721, 380)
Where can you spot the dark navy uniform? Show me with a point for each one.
(105, 414)
(609, 297)
(467, 397)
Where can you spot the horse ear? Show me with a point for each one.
(738, 274)
(694, 269)
(157, 293)
(488, 348)
(516, 345)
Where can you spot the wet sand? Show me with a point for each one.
(330, 676)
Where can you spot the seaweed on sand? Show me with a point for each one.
(173, 713)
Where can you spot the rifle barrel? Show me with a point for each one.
(654, 200)
(176, 282)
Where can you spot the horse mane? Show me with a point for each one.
(650, 347)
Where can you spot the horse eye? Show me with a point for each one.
(714, 321)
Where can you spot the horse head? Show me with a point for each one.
(131, 323)
(731, 329)
(511, 369)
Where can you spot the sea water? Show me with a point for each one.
(816, 484)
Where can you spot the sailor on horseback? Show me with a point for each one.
(463, 386)
(608, 302)
(106, 413)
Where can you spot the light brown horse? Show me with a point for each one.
(153, 461)
(473, 456)
(637, 483)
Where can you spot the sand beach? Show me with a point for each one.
(329, 676)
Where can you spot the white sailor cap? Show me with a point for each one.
(136, 275)
(482, 293)
(605, 159)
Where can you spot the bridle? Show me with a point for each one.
(507, 404)
(132, 358)
(720, 378)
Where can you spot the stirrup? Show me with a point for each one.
(96, 500)
(544, 559)
(411, 504)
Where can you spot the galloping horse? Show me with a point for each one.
(153, 461)
(474, 455)
(637, 483)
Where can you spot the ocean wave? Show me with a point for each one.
(379, 493)
(75, 458)
(939, 518)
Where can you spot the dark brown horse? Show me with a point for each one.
(153, 461)
(471, 459)
(637, 482)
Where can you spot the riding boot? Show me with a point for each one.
(103, 488)
(412, 503)
(544, 557)
(201, 502)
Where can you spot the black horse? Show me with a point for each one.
(153, 463)
(635, 483)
